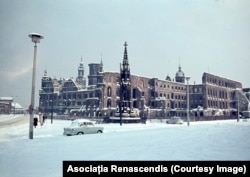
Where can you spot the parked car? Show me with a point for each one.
(82, 126)
(175, 120)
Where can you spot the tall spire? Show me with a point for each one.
(125, 57)
(125, 64)
(125, 85)
(101, 60)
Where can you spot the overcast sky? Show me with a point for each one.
(202, 36)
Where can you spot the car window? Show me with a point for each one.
(89, 123)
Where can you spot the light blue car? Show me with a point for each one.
(82, 126)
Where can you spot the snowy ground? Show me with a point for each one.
(43, 156)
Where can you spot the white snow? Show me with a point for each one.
(43, 156)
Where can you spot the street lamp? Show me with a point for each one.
(238, 103)
(187, 78)
(238, 108)
(52, 103)
(36, 39)
(120, 104)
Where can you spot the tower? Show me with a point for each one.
(80, 70)
(100, 75)
(80, 78)
(45, 93)
(95, 76)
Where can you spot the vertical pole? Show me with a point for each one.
(33, 95)
(120, 112)
(188, 104)
(238, 113)
(52, 102)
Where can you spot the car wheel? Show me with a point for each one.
(99, 131)
(80, 133)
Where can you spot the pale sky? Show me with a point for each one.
(202, 36)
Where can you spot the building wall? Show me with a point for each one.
(146, 92)
(164, 97)
(218, 93)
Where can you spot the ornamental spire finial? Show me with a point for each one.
(125, 44)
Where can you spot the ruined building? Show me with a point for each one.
(153, 97)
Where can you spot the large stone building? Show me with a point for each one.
(152, 96)
(218, 96)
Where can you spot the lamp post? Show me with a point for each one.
(238, 108)
(52, 104)
(187, 78)
(36, 39)
(120, 104)
(237, 93)
(94, 111)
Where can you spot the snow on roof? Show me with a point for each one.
(6, 98)
(16, 105)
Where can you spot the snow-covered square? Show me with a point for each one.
(43, 156)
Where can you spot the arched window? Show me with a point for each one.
(109, 103)
(134, 93)
(109, 92)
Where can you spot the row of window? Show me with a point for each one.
(217, 104)
(220, 82)
(65, 103)
(72, 96)
(217, 93)
(135, 93)
(197, 90)
(171, 96)
(172, 87)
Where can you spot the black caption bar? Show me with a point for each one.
(156, 168)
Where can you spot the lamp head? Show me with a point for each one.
(187, 78)
(35, 37)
